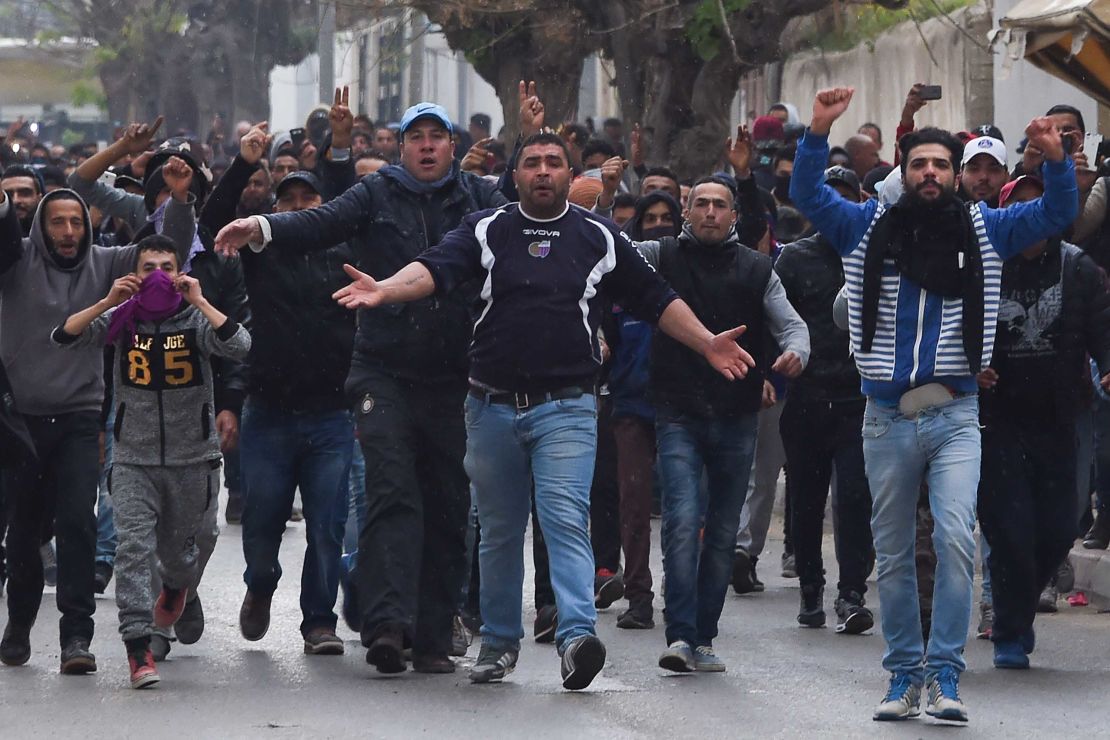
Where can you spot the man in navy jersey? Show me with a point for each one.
(531, 413)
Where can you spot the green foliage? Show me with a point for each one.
(71, 137)
(871, 21)
(86, 93)
(705, 30)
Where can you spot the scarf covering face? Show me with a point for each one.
(410, 183)
(156, 300)
(933, 244)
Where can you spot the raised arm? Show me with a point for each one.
(113, 201)
(842, 222)
(11, 235)
(74, 332)
(219, 208)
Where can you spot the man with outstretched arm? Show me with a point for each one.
(923, 284)
(531, 413)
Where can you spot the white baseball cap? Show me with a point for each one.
(984, 145)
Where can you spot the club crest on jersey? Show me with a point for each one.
(540, 249)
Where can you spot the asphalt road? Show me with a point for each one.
(782, 680)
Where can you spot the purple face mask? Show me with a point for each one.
(156, 300)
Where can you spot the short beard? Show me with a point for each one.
(914, 200)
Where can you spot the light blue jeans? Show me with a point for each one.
(942, 448)
(553, 445)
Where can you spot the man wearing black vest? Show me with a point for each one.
(705, 421)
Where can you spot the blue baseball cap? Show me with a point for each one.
(425, 110)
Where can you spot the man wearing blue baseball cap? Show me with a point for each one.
(407, 382)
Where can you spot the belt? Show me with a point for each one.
(524, 401)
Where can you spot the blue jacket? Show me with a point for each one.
(918, 339)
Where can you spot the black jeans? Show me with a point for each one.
(55, 495)
(1027, 511)
(816, 435)
(412, 552)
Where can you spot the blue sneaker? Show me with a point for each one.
(902, 701)
(944, 696)
(1010, 654)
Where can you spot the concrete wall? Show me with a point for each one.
(883, 71)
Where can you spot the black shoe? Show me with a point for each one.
(1098, 536)
(432, 664)
(742, 572)
(233, 512)
(160, 647)
(789, 569)
(608, 587)
(493, 664)
(254, 616)
(636, 617)
(76, 658)
(15, 648)
(190, 625)
(547, 621)
(102, 577)
(812, 612)
(582, 660)
(852, 617)
(351, 616)
(757, 585)
(1065, 577)
(386, 652)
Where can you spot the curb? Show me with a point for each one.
(1092, 574)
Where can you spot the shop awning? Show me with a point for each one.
(1067, 38)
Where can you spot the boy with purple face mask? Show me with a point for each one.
(166, 451)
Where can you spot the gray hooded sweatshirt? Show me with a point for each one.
(37, 294)
(163, 384)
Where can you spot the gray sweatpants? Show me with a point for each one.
(770, 456)
(159, 511)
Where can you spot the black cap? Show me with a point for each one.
(304, 176)
(990, 130)
(482, 121)
(842, 175)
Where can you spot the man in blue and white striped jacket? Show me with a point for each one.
(923, 280)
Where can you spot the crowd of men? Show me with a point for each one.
(437, 336)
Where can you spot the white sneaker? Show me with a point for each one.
(707, 661)
(903, 700)
(678, 657)
(944, 697)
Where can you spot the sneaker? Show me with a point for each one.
(944, 697)
(742, 572)
(1098, 536)
(789, 569)
(460, 637)
(190, 625)
(351, 616)
(986, 620)
(707, 661)
(15, 648)
(678, 657)
(169, 606)
(386, 651)
(76, 659)
(757, 585)
(254, 616)
(141, 663)
(902, 701)
(296, 514)
(852, 617)
(547, 621)
(1046, 604)
(102, 576)
(432, 664)
(1079, 598)
(1010, 654)
(493, 664)
(636, 617)
(1065, 577)
(233, 512)
(160, 647)
(583, 659)
(322, 641)
(812, 612)
(49, 564)
(608, 587)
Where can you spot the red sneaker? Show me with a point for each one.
(143, 672)
(1079, 598)
(168, 608)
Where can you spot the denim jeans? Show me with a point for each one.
(356, 500)
(279, 452)
(698, 573)
(553, 445)
(942, 447)
(106, 539)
